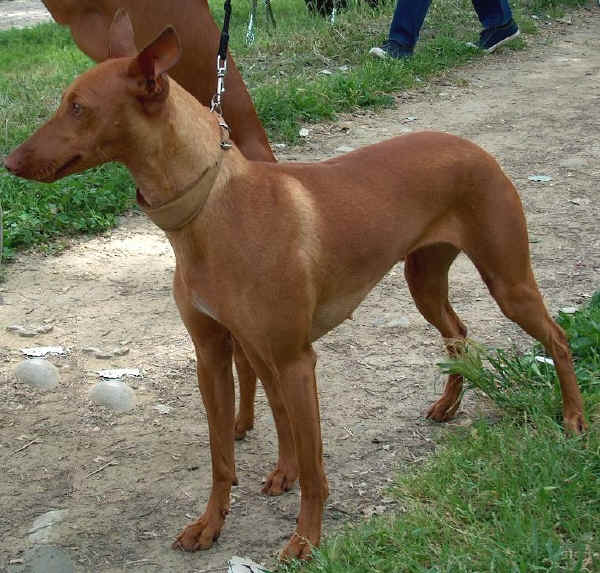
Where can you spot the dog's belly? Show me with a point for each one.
(334, 311)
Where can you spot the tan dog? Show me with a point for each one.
(278, 254)
(90, 21)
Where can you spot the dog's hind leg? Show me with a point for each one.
(244, 420)
(512, 284)
(426, 272)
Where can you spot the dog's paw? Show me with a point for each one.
(242, 427)
(443, 410)
(198, 535)
(575, 423)
(280, 480)
(298, 547)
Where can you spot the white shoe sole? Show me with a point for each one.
(378, 53)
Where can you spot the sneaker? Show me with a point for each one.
(493, 38)
(391, 49)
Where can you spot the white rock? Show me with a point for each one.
(115, 373)
(244, 565)
(43, 350)
(569, 310)
(41, 528)
(37, 372)
(113, 394)
(162, 408)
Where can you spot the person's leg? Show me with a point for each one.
(492, 14)
(404, 29)
(407, 21)
(498, 24)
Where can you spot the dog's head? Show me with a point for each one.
(105, 111)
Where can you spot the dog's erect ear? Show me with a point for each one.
(121, 41)
(159, 56)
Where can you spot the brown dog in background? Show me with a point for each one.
(276, 255)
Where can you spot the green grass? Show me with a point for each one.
(518, 495)
(283, 70)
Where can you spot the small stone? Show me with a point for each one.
(569, 310)
(113, 394)
(162, 408)
(42, 525)
(244, 565)
(303, 132)
(344, 149)
(540, 178)
(116, 373)
(37, 372)
(120, 351)
(103, 355)
(39, 351)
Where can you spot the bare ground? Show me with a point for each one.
(536, 111)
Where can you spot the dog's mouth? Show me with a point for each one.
(63, 170)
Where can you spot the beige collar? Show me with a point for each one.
(176, 214)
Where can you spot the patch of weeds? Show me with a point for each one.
(526, 383)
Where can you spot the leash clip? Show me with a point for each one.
(215, 104)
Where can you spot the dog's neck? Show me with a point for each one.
(178, 162)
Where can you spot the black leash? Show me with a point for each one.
(225, 31)
(215, 104)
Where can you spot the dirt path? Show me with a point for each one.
(22, 13)
(536, 111)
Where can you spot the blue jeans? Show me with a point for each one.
(410, 14)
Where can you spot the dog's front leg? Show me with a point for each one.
(214, 350)
(296, 378)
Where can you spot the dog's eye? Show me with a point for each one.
(76, 109)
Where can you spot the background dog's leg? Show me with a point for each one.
(214, 350)
(244, 420)
(299, 392)
(426, 272)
